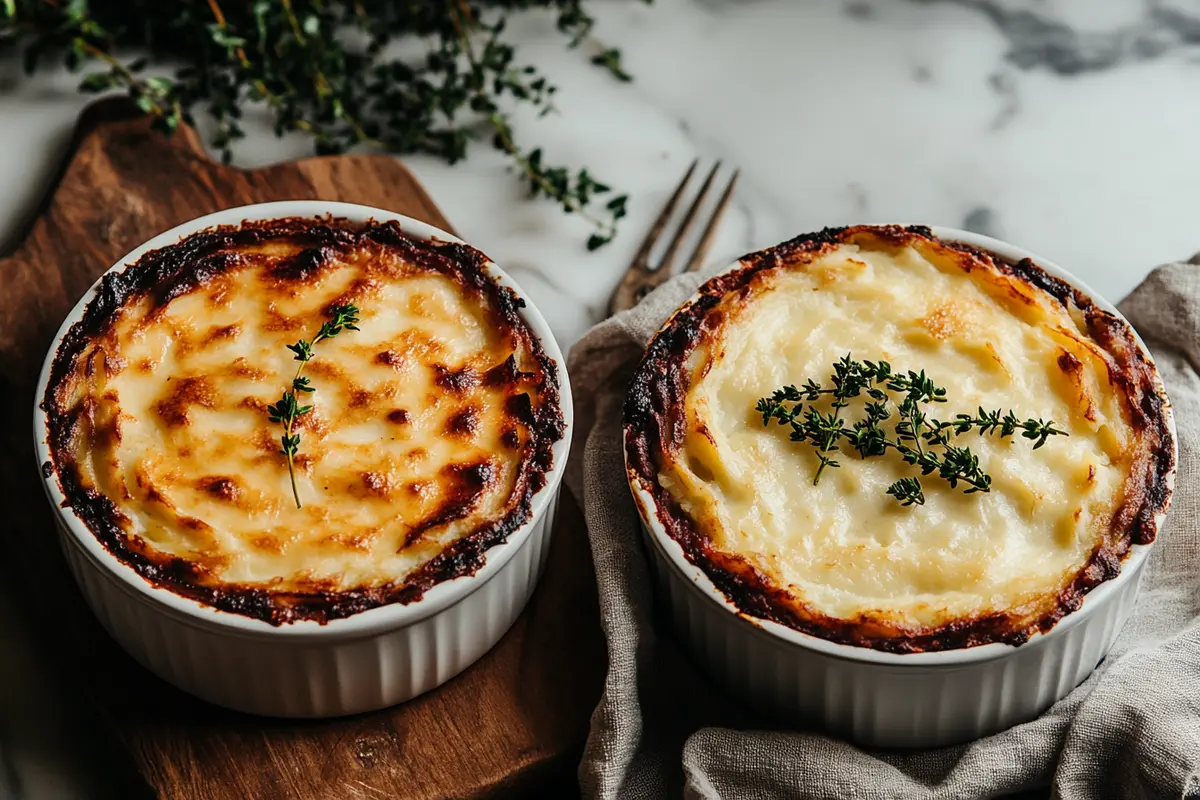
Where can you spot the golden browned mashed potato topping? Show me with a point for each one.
(431, 426)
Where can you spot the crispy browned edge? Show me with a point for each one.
(170, 271)
(651, 429)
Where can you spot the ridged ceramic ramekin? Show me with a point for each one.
(370, 660)
(884, 699)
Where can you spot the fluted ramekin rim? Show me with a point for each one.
(1130, 565)
(365, 623)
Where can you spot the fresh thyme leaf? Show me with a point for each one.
(287, 410)
(302, 349)
(907, 491)
(921, 441)
(1040, 431)
(328, 70)
(610, 59)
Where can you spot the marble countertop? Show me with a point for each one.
(1067, 127)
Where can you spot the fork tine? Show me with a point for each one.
(663, 269)
(640, 278)
(697, 259)
(642, 258)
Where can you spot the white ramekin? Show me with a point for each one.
(883, 699)
(367, 661)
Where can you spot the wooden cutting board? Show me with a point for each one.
(511, 725)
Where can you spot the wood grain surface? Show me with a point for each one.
(511, 725)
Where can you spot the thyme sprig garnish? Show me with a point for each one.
(921, 441)
(288, 409)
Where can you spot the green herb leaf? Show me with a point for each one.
(97, 82)
(907, 491)
(302, 349)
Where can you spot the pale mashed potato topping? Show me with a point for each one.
(844, 551)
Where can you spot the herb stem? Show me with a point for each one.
(288, 424)
(502, 131)
(131, 80)
(239, 51)
(830, 435)
(288, 409)
(291, 15)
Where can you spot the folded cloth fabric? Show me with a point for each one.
(1131, 730)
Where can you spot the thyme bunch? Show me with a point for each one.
(920, 440)
(328, 70)
(288, 409)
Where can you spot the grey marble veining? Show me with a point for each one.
(1040, 38)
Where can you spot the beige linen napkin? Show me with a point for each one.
(1131, 730)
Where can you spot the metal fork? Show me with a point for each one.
(641, 277)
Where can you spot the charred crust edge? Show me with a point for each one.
(176, 269)
(659, 384)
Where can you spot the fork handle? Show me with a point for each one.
(625, 296)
